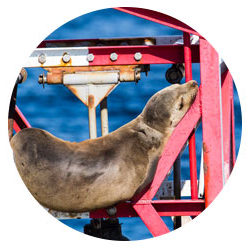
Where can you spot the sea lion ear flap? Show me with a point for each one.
(181, 103)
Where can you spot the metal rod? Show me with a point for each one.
(177, 188)
(92, 117)
(192, 148)
(104, 116)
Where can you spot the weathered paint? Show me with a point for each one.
(127, 73)
(98, 91)
(211, 121)
(92, 117)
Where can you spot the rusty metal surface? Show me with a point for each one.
(92, 117)
(126, 72)
(98, 91)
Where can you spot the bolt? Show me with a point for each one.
(42, 58)
(138, 56)
(113, 57)
(90, 57)
(66, 57)
(42, 79)
(112, 211)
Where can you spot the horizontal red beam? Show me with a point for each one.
(155, 54)
(158, 17)
(163, 208)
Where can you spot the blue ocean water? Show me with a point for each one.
(57, 110)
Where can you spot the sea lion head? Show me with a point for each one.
(167, 107)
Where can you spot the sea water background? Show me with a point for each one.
(57, 110)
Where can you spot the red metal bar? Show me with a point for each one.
(154, 54)
(192, 147)
(233, 131)
(151, 219)
(158, 17)
(20, 122)
(179, 207)
(226, 95)
(174, 146)
(163, 208)
(211, 121)
(16, 127)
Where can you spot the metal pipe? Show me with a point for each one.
(92, 77)
(177, 188)
(104, 116)
(92, 117)
(192, 148)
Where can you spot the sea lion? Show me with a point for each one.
(99, 173)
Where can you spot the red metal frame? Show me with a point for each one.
(20, 122)
(163, 208)
(233, 147)
(227, 95)
(211, 121)
(151, 54)
(158, 17)
(192, 147)
(154, 54)
(207, 105)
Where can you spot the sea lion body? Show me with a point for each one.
(101, 172)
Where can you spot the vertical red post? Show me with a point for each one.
(192, 148)
(233, 148)
(226, 95)
(211, 121)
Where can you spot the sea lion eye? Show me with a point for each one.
(181, 103)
